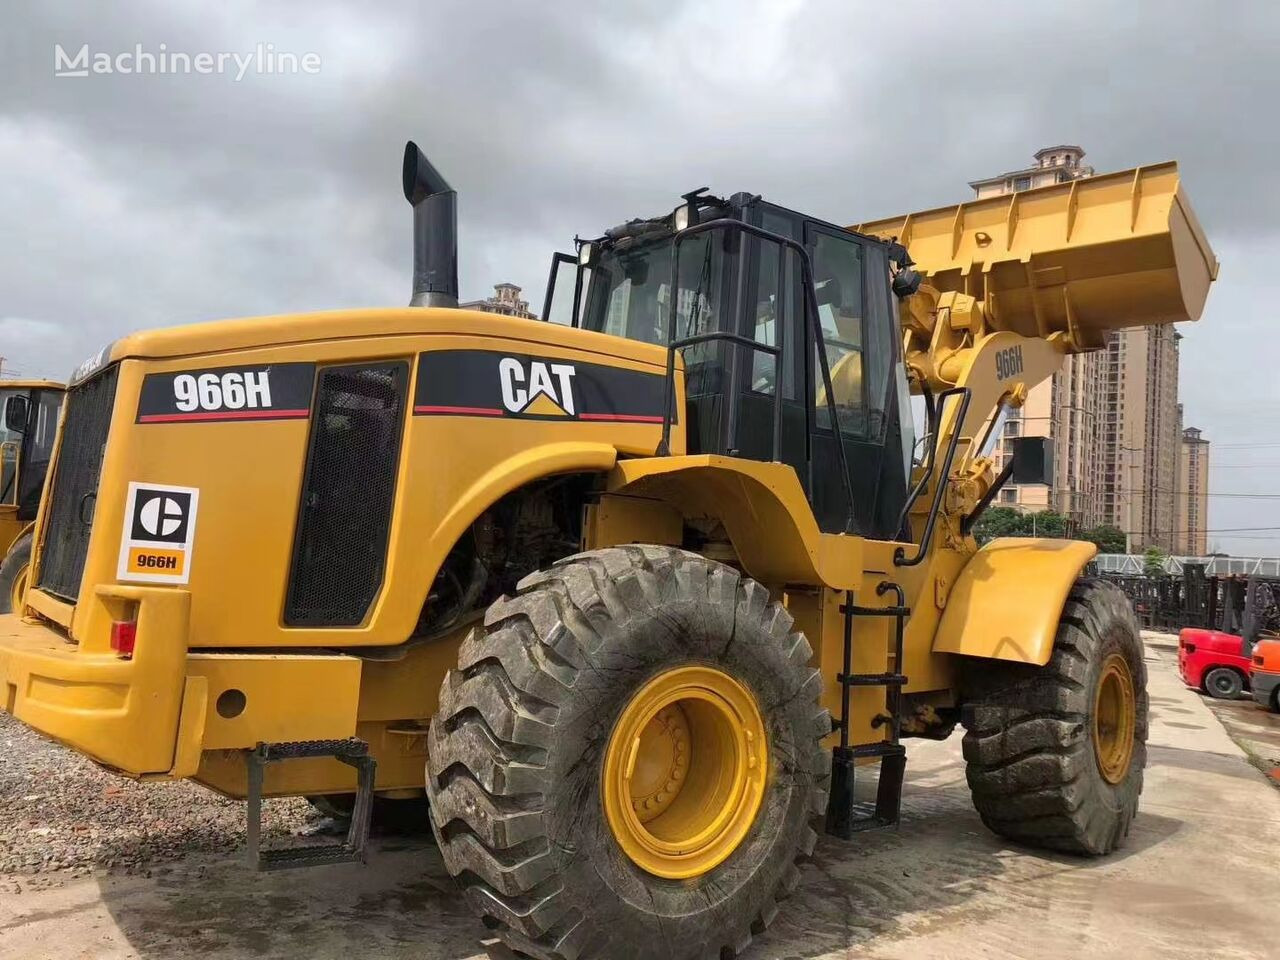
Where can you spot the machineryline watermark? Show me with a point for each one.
(263, 60)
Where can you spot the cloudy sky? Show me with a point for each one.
(137, 201)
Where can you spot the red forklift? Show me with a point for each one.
(1222, 662)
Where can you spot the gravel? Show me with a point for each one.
(62, 814)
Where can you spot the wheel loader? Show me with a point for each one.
(637, 594)
(30, 410)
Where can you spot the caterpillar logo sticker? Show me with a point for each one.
(159, 529)
(489, 383)
(540, 388)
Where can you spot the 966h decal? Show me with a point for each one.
(278, 391)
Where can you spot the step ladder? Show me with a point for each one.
(354, 753)
(845, 815)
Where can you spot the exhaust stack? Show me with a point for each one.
(435, 231)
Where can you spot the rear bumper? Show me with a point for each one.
(1187, 670)
(154, 715)
(1264, 688)
(123, 713)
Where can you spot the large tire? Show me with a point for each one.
(1035, 767)
(13, 572)
(517, 750)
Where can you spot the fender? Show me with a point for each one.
(1007, 600)
(762, 507)
(507, 475)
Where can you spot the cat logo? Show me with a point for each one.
(159, 530)
(544, 389)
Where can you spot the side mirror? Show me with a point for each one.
(17, 412)
(1032, 460)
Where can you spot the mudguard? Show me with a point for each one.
(1006, 603)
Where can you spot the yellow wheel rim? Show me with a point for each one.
(1114, 719)
(684, 771)
(19, 589)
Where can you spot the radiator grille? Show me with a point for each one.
(344, 513)
(74, 493)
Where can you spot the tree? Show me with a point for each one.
(1109, 538)
(999, 522)
(1153, 559)
(1046, 523)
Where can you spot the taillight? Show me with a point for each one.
(124, 634)
(1189, 647)
(1257, 661)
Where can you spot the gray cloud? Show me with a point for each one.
(138, 201)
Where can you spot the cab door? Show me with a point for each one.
(10, 457)
(858, 317)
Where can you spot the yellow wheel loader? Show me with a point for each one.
(29, 410)
(634, 594)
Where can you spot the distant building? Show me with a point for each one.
(1066, 407)
(1113, 414)
(1052, 165)
(1142, 433)
(505, 300)
(1193, 494)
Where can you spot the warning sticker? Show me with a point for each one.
(159, 529)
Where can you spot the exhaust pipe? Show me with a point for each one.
(435, 231)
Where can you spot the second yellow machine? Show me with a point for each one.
(632, 595)
(29, 411)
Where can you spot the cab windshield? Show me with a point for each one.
(629, 289)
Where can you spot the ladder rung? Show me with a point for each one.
(871, 679)
(858, 611)
(314, 856)
(346, 750)
(355, 753)
(882, 749)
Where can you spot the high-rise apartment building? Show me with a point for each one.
(1142, 436)
(1113, 414)
(1193, 495)
(1067, 407)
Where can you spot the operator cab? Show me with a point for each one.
(28, 425)
(753, 367)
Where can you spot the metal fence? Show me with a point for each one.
(1231, 602)
(1135, 563)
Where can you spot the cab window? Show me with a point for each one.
(838, 284)
(10, 444)
(776, 304)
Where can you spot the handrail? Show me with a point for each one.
(899, 554)
(722, 335)
(933, 422)
(556, 260)
(811, 322)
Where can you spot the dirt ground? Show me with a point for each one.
(1200, 877)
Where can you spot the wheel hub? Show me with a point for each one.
(684, 771)
(1114, 719)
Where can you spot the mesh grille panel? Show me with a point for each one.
(344, 514)
(75, 486)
